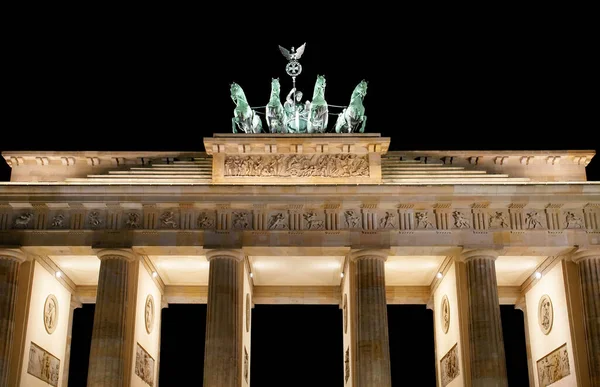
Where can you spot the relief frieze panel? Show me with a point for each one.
(295, 165)
(317, 218)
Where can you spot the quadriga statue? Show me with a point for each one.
(244, 118)
(352, 118)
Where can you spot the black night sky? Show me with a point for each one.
(135, 82)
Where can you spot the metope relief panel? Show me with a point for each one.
(23, 219)
(449, 366)
(351, 219)
(498, 219)
(387, 220)
(424, 220)
(325, 165)
(573, 219)
(278, 220)
(313, 220)
(132, 219)
(95, 219)
(241, 220)
(144, 365)
(43, 365)
(554, 366)
(58, 220)
(206, 219)
(461, 219)
(534, 219)
(169, 219)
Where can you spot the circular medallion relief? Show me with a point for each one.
(149, 313)
(345, 313)
(445, 314)
(248, 312)
(50, 313)
(545, 314)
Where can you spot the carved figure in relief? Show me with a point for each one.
(460, 221)
(352, 218)
(58, 221)
(277, 221)
(133, 220)
(553, 366)
(240, 220)
(94, 218)
(498, 220)
(324, 165)
(573, 221)
(50, 315)
(533, 219)
(23, 219)
(43, 365)
(204, 221)
(168, 219)
(388, 220)
(423, 220)
(347, 363)
(450, 367)
(312, 222)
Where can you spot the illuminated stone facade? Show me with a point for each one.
(310, 219)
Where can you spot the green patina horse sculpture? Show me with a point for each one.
(319, 113)
(244, 118)
(352, 119)
(274, 109)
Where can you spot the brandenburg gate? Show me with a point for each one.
(302, 215)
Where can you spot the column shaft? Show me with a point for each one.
(9, 278)
(223, 322)
(107, 354)
(488, 362)
(589, 272)
(373, 347)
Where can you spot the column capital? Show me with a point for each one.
(356, 255)
(236, 254)
(126, 254)
(467, 255)
(583, 254)
(13, 255)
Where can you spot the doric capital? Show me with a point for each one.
(467, 255)
(13, 255)
(125, 254)
(238, 255)
(356, 255)
(583, 254)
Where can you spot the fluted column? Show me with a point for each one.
(589, 273)
(10, 262)
(108, 350)
(487, 358)
(372, 338)
(222, 354)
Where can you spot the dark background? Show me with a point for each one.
(299, 345)
(158, 79)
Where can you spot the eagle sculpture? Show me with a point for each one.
(295, 54)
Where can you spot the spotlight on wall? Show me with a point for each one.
(342, 275)
(538, 275)
(58, 274)
(154, 274)
(251, 275)
(439, 275)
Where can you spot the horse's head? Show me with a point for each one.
(360, 90)
(275, 86)
(319, 86)
(237, 93)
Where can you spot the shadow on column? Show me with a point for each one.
(81, 342)
(297, 346)
(412, 348)
(182, 345)
(513, 331)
